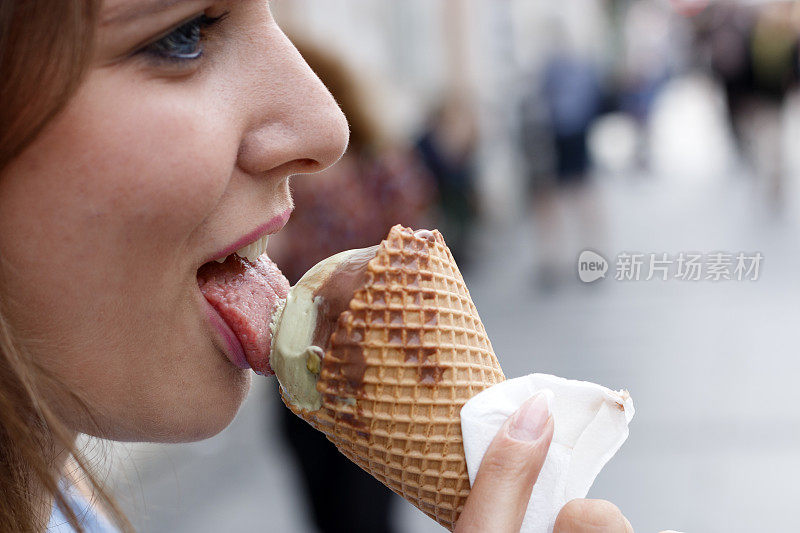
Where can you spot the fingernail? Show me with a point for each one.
(530, 420)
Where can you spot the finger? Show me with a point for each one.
(591, 516)
(502, 488)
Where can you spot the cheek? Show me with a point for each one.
(152, 164)
(95, 218)
(102, 206)
(117, 172)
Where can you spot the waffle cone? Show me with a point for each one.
(400, 364)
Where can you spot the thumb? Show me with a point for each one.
(502, 488)
(587, 516)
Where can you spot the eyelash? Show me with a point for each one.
(189, 33)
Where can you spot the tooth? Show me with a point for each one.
(254, 250)
(250, 252)
(221, 259)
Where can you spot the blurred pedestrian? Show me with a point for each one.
(353, 204)
(447, 147)
(753, 52)
(571, 93)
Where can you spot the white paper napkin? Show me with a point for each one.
(591, 423)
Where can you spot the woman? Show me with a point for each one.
(141, 140)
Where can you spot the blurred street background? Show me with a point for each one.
(529, 131)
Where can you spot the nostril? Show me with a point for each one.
(299, 166)
(311, 165)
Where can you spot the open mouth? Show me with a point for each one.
(244, 288)
(251, 252)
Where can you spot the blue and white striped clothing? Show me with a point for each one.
(92, 522)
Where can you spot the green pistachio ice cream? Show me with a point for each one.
(302, 326)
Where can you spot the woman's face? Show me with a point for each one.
(162, 160)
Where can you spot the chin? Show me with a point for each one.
(198, 411)
(213, 411)
(200, 400)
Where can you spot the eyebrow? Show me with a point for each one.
(126, 12)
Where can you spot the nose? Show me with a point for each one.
(294, 125)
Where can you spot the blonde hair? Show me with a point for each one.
(45, 47)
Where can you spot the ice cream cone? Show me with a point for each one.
(401, 362)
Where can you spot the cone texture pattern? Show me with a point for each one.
(402, 361)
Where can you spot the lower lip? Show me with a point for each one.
(233, 348)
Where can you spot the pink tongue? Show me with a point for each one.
(245, 295)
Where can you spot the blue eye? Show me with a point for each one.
(185, 42)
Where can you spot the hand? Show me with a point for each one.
(508, 471)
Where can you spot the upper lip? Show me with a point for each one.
(273, 225)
